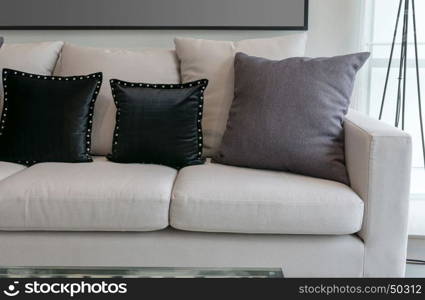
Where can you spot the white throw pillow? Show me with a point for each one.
(38, 58)
(214, 60)
(150, 66)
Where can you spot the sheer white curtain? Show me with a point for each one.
(379, 18)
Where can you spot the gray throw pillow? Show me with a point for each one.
(288, 115)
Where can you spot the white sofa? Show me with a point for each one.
(109, 214)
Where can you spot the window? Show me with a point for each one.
(383, 16)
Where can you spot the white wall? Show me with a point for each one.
(335, 27)
(333, 30)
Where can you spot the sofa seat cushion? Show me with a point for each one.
(219, 198)
(98, 196)
(7, 169)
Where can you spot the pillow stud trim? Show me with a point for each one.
(3, 121)
(202, 82)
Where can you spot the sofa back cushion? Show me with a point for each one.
(150, 66)
(214, 60)
(38, 58)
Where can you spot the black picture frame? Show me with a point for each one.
(303, 27)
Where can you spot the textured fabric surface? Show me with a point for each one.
(379, 164)
(102, 196)
(219, 198)
(39, 58)
(288, 115)
(299, 256)
(7, 169)
(150, 65)
(158, 123)
(213, 60)
(46, 118)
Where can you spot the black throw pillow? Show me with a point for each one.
(158, 123)
(47, 118)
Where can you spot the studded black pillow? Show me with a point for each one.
(47, 118)
(158, 123)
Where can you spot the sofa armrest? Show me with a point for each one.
(378, 159)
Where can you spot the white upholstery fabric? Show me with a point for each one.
(150, 66)
(7, 169)
(299, 256)
(219, 198)
(378, 158)
(38, 58)
(214, 60)
(87, 196)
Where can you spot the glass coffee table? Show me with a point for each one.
(137, 272)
